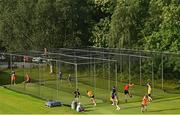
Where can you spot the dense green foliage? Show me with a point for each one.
(135, 24)
(142, 24)
(34, 24)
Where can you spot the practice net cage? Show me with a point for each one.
(55, 75)
(166, 66)
(140, 67)
(129, 67)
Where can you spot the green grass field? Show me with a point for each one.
(21, 98)
(12, 102)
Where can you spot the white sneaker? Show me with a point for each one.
(118, 108)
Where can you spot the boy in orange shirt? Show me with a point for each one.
(92, 98)
(13, 78)
(27, 78)
(144, 103)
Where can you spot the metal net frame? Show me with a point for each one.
(96, 66)
(113, 67)
(165, 63)
(163, 76)
(43, 81)
(125, 66)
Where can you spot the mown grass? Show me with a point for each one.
(46, 87)
(12, 102)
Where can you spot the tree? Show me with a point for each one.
(162, 33)
(6, 26)
(102, 19)
(123, 25)
(35, 24)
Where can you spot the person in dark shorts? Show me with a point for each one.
(69, 78)
(115, 100)
(92, 98)
(149, 90)
(114, 89)
(113, 94)
(60, 75)
(126, 91)
(77, 95)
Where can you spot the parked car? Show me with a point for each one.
(35, 59)
(38, 60)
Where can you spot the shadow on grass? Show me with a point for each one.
(4, 78)
(87, 108)
(67, 105)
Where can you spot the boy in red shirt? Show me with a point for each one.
(126, 90)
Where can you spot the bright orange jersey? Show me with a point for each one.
(145, 100)
(90, 93)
